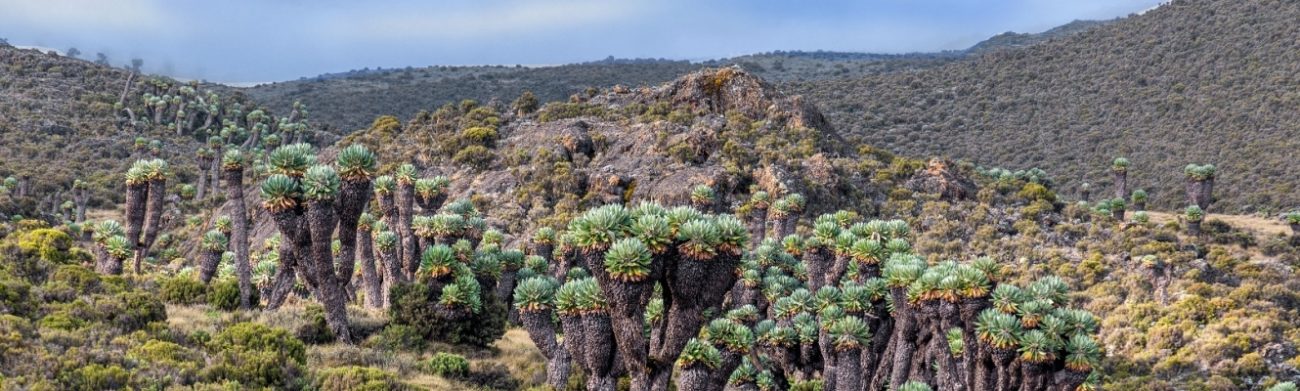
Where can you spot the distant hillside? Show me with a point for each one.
(57, 125)
(348, 101)
(1211, 81)
(1012, 40)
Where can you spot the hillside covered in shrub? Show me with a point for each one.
(1204, 81)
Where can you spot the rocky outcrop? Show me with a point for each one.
(941, 178)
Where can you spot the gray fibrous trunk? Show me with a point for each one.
(405, 199)
(757, 224)
(80, 196)
(1121, 183)
(208, 262)
(904, 337)
(202, 185)
(353, 197)
(848, 374)
(1199, 192)
(322, 220)
(391, 217)
(392, 273)
(286, 273)
(214, 168)
(137, 195)
(542, 331)
(239, 235)
(153, 217)
(693, 377)
(369, 275)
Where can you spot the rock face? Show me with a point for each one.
(940, 177)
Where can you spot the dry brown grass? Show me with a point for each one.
(1261, 227)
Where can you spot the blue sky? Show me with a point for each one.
(271, 40)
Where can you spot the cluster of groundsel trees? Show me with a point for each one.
(656, 290)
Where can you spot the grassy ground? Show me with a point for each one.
(1260, 226)
(514, 352)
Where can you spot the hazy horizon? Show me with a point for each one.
(251, 42)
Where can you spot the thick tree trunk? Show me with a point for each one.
(322, 221)
(353, 198)
(904, 337)
(369, 275)
(392, 274)
(285, 274)
(405, 199)
(848, 370)
(239, 236)
(137, 197)
(214, 169)
(391, 216)
(153, 217)
(1121, 184)
(693, 378)
(542, 332)
(208, 262)
(202, 181)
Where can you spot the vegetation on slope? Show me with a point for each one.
(1191, 81)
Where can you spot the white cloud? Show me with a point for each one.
(128, 16)
(511, 18)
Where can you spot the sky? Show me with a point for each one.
(243, 41)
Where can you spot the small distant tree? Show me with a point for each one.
(74, 52)
(136, 63)
(101, 58)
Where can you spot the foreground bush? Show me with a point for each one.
(356, 378)
(257, 356)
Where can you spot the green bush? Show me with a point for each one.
(47, 243)
(399, 337)
(315, 331)
(257, 356)
(187, 290)
(447, 365)
(138, 309)
(224, 294)
(15, 296)
(356, 378)
(413, 305)
(166, 362)
(97, 377)
(476, 156)
(81, 279)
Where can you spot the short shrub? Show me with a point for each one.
(15, 296)
(96, 377)
(187, 290)
(356, 378)
(447, 365)
(47, 243)
(166, 362)
(414, 305)
(476, 156)
(315, 331)
(398, 337)
(138, 310)
(257, 356)
(224, 294)
(81, 279)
